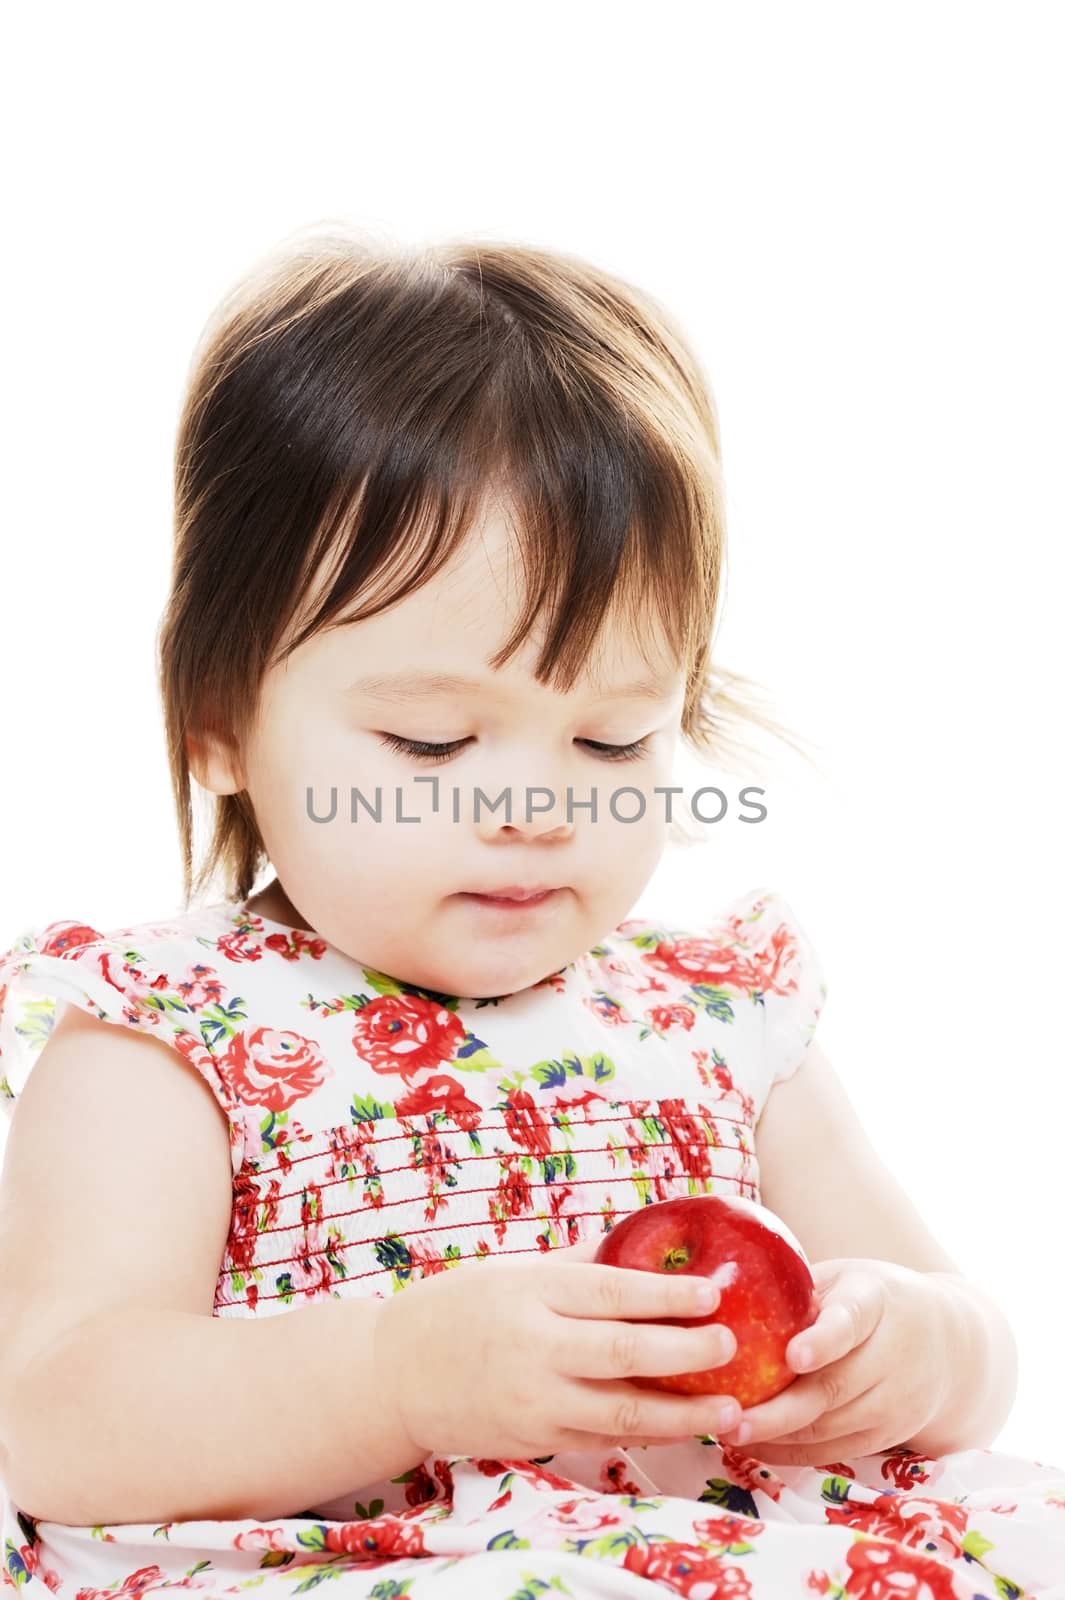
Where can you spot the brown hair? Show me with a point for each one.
(349, 406)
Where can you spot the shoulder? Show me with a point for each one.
(118, 974)
(751, 959)
(754, 942)
(148, 977)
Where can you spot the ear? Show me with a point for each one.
(213, 762)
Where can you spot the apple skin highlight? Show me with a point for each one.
(762, 1273)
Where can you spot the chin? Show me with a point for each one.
(492, 986)
(487, 981)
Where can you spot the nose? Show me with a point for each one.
(534, 812)
(536, 829)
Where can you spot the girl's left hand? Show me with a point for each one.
(880, 1371)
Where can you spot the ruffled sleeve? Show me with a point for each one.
(786, 977)
(70, 963)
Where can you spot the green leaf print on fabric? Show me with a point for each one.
(395, 1255)
(36, 1021)
(715, 1002)
(473, 1055)
(553, 1074)
(364, 1108)
(274, 1133)
(222, 1022)
(374, 1509)
(286, 1291)
(507, 1541)
(384, 984)
(559, 1164)
(533, 1587)
(729, 1496)
(17, 1570)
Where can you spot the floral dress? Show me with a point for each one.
(379, 1133)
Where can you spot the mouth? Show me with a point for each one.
(513, 897)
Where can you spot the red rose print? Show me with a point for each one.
(513, 1197)
(727, 1528)
(665, 1017)
(240, 943)
(612, 1479)
(133, 984)
(932, 1526)
(273, 1068)
(406, 1033)
(243, 1224)
(527, 1124)
(770, 962)
(906, 1467)
(199, 988)
(376, 1536)
(687, 1569)
(689, 1136)
(883, 1571)
(292, 946)
(60, 938)
(701, 960)
(420, 1486)
(440, 1093)
(136, 1584)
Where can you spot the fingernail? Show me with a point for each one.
(802, 1356)
(706, 1297)
(743, 1432)
(728, 1416)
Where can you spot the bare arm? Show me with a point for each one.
(122, 1397)
(143, 1415)
(985, 1373)
(858, 1208)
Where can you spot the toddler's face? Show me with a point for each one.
(395, 894)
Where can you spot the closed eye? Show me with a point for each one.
(618, 752)
(424, 751)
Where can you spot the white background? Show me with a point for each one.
(855, 213)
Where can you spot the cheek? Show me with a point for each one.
(632, 817)
(299, 791)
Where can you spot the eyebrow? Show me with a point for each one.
(409, 684)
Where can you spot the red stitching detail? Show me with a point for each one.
(497, 1127)
(439, 1227)
(468, 1160)
(378, 1271)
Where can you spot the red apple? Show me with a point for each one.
(767, 1288)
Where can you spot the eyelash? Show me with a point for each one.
(442, 752)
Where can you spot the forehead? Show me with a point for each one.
(460, 618)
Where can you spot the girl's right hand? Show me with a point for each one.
(518, 1359)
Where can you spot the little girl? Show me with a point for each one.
(449, 543)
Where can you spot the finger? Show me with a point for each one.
(822, 1393)
(826, 1455)
(618, 1411)
(591, 1289)
(634, 1349)
(795, 1408)
(870, 1409)
(851, 1310)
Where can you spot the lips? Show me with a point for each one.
(514, 891)
(514, 901)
